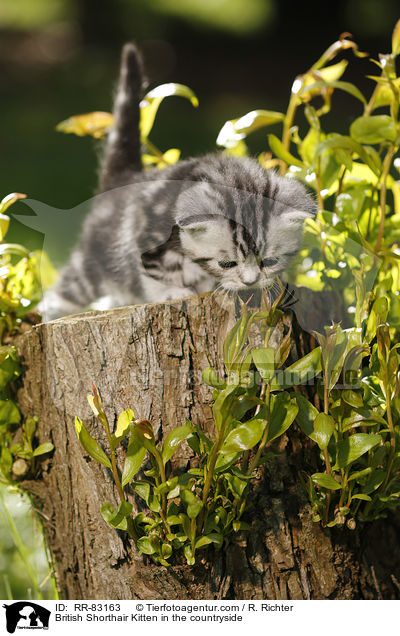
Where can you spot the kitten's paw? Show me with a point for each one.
(53, 306)
(172, 293)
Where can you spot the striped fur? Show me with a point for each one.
(158, 235)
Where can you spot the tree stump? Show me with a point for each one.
(150, 358)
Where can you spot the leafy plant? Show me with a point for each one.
(357, 228)
(20, 290)
(205, 505)
(352, 248)
(98, 123)
(358, 431)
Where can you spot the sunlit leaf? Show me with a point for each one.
(244, 436)
(264, 361)
(283, 410)
(174, 439)
(135, 455)
(4, 224)
(299, 372)
(192, 502)
(235, 130)
(353, 447)
(319, 87)
(95, 124)
(47, 447)
(152, 100)
(123, 422)
(90, 445)
(210, 377)
(117, 518)
(148, 545)
(396, 39)
(9, 200)
(373, 129)
(280, 151)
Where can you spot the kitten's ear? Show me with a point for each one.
(193, 225)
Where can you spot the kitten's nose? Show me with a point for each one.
(250, 277)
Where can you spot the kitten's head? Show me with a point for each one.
(241, 223)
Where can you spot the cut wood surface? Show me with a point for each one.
(150, 358)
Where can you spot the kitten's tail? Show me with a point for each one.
(123, 148)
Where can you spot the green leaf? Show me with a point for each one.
(135, 455)
(142, 488)
(233, 131)
(353, 447)
(324, 425)
(10, 367)
(174, 439)
(206, 539)
(29, 427)
(353, 398)
(123, 422)
(152, 100)
(210, 377)
(326, 481)
(148, 545)
(343, 142)
(299, 372)
(9, 414)
(239, 526)
(90, 445)
(343, 86)
(280, 151)
(373, 129)
(283, 410)
(222, 405)
(117, 518)
(192, 502)
(224, 461)
(375, 480)
(361, 496)
(306, 416)
(236, 338)
(43, 448)
(189, 556)
(396, 39)
(236, 485)
(264, 361)
(244, 436)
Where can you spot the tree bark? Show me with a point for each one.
(150, 358)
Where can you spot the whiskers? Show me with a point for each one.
(221, 295)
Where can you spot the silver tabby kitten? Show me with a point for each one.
(158, 235)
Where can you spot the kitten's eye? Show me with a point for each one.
(227, 264)
(269, 262)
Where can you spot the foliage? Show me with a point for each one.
(358, 198)
(203, 506)
(20, 290)
(358, 431)
(354, 239)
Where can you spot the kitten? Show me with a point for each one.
(158, 235)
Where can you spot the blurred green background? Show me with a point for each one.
(60, 57)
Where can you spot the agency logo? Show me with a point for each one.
(26, 615)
